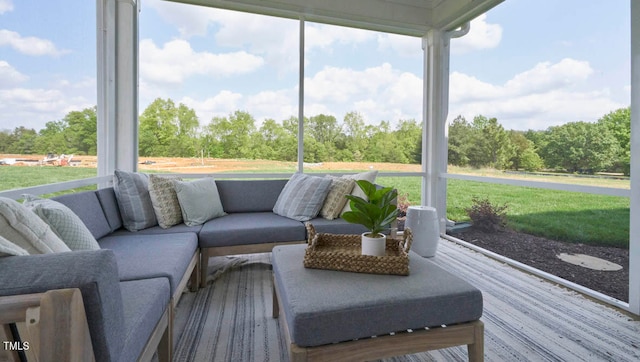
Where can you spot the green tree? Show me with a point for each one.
(167, 130)
(24, 141)
(81, 131)
(525, 155)
(460, 136)
(408, 140)
(580, 147)
(489, 144)
(52, 138)
(619, 124)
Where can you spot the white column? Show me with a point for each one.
(117, 63)
(435, 109)
(634, 227)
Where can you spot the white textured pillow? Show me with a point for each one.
(8, 248)
(64, 222)
(25, 229)
(369, 176)
(199, 200)
(302, 197)
(132, 193)
(335, 201)
(165, 201)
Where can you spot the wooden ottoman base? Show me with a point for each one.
(470, 334)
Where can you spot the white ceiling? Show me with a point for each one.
(409, 17)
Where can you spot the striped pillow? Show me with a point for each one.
(132, 193)
(340, 186)
(302, 197)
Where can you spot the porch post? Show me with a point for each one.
(634, 204)
(117, 68)
(435, 108)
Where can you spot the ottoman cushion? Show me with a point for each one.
(325, 306)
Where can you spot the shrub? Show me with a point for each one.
(486, 216)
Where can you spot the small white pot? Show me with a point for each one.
(374, 246)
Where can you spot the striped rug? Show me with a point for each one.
(526, 318)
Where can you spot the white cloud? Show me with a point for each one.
(220, 105)
(5, 6)
(29, 45)
(379, 93)
(177, 60)
(189, 19)
(9, 76)
(545, 95)
(406, 46)
(482, 35)
(32, 108)
(323, 36)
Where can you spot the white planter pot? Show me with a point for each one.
(374, 246)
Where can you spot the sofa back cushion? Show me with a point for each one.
(87, 206)
(132, 193)
(107, 198)
(249, 195)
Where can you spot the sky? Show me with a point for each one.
(531, 64)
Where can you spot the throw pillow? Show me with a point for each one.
(165, 201)
(8, 248)
(25, 229)
(64, 222)
(132, 193)
(302, 197)
(369, 176)
(199, 200)
(335, 201)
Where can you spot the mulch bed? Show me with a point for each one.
(541, 253)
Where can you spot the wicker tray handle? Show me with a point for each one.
(407, 238)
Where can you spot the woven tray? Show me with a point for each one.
(343, 252)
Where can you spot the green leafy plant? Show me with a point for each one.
(486, 216)
(376, 213)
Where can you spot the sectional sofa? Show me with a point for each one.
(132, 284)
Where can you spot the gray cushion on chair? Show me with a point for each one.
(94, 272)
(356, 305)
(150, 256)
(109, 204)
(249, 195)
(250, 228)
(144, 303)
(88, 208)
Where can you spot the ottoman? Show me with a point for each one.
(331, 315)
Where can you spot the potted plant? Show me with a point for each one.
(375, 213)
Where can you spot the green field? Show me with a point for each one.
(559, 215)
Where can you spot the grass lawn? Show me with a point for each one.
(559, 215)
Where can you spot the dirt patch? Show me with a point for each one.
(541, 253)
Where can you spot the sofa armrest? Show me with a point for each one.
(94, 272)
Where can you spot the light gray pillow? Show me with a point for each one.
(165, 201)
(25, 229)
(132, 193)
(64, 222)
(302, 197)
(369, 176)
(8, 248)
(199, 200)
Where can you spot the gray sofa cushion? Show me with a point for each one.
(88, 208)
(326, 306)
(250, 228)
(336, 226)
(249, 195)
(155, 230)
(144, 303)
(143, 256)
(94, 272)
(110, 207)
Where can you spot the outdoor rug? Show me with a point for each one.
(526, 318)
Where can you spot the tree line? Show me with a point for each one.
(170, 130)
